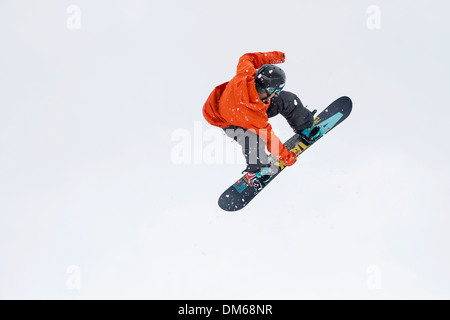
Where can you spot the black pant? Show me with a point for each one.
(253, 147)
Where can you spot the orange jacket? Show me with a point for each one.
(236, 103)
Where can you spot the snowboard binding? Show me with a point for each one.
(265, 174)
(311, 134)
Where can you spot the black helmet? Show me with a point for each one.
(270, 78)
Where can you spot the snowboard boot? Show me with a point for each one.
(264, 174)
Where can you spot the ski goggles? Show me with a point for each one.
(272, 90)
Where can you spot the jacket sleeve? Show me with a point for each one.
(250, 62)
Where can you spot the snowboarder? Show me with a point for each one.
(243, 106)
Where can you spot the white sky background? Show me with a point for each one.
(87, 177)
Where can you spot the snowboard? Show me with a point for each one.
(250, 185)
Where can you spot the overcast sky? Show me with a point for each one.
(95, 96)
